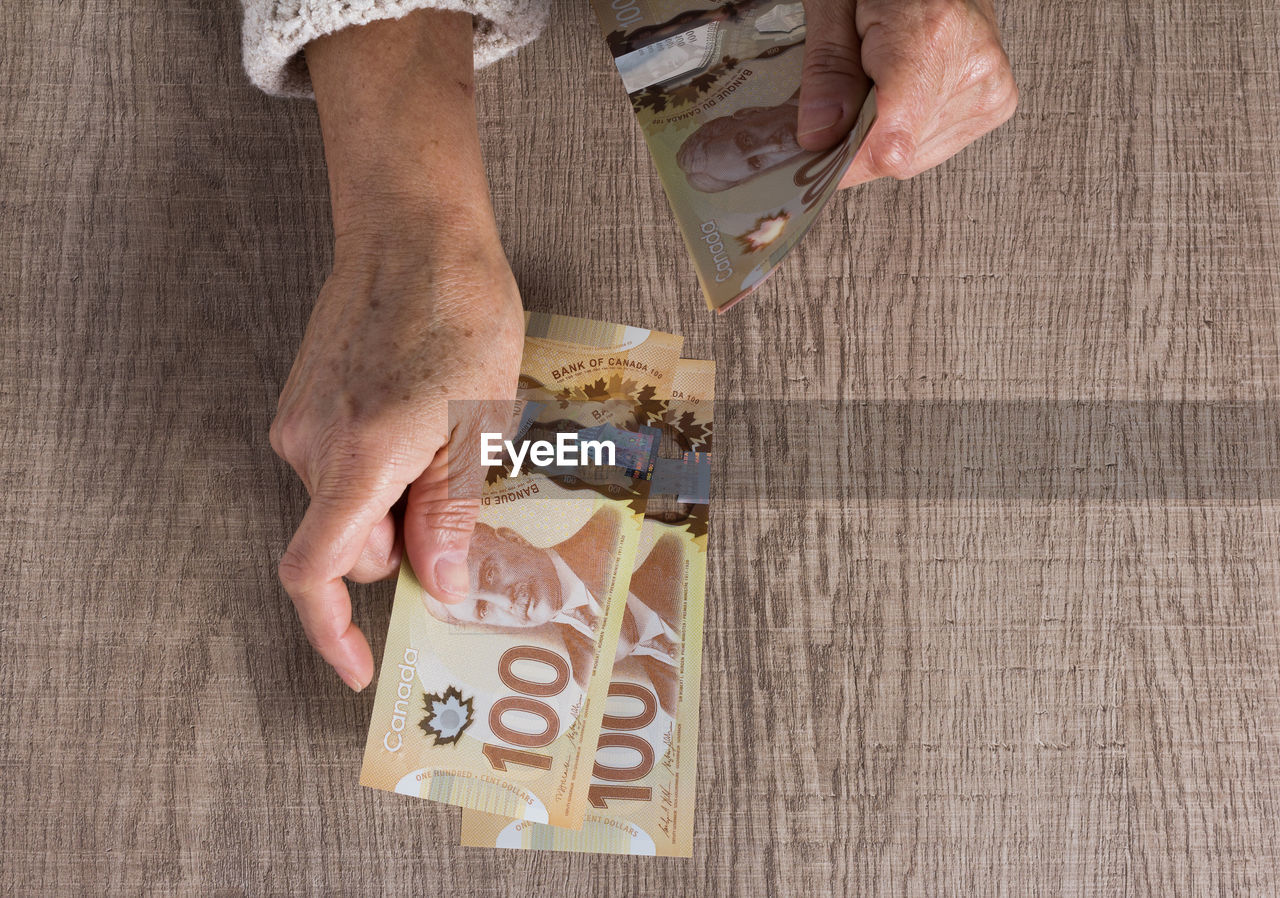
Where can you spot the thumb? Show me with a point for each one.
(832, 80)
(444, 502)
(342, 514)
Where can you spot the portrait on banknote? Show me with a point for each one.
(496, 702)
(730, 150)
(641, 791)
(715, 90)
(487, 703)
(650, 642)
(521, 588)
(551, 591)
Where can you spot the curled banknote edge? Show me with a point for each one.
(716, 91)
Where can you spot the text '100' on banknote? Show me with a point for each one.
(642, 788)
(716, 89)
(495, 703)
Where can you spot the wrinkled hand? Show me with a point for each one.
(399, 329)
(421, 309)
(941, 75)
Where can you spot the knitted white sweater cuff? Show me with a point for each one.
(275, 31)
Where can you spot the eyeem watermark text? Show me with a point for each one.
(566, 451)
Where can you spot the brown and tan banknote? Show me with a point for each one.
(642, 788)
(496, 703)
(716, 88)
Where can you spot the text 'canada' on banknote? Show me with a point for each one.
(642, 790)
(496, 702)
(716, 89)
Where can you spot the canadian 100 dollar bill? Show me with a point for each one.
(716, 89)
(642, 789)
(496, 703)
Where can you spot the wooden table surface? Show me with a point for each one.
(993, 595)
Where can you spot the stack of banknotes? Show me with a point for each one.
(558, 704)
(716, 89)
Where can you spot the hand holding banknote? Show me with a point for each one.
(364, 418)
(421, 309)
(942, 80)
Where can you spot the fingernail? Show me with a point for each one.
(819, 116)
(453, 575)
(352, 680)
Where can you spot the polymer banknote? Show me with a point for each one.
(642, 788)
(716, 90)
(496, 703)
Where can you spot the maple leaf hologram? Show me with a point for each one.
(448, 715)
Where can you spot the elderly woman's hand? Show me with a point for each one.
(420, 309)
(941, 75)
(397, 332)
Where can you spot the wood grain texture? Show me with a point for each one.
(914, 685)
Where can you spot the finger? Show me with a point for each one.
(868, 167)
(381, 554)
(832, 81)
(992, 109)
(907, 51)
(326, 546)
(938, 149)
(892, 144)
(445, 501)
